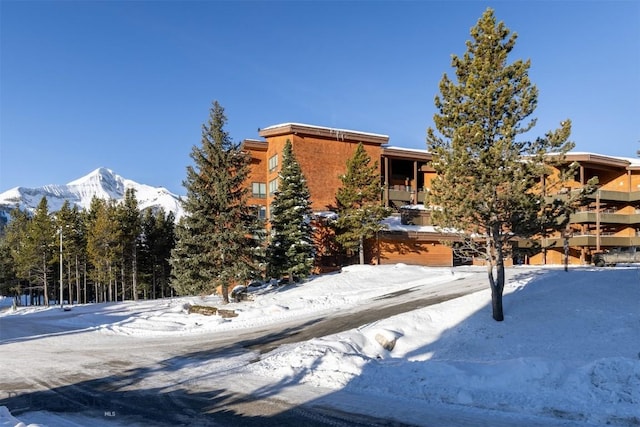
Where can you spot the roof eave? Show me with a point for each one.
(323, 132)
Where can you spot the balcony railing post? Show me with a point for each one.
(598, 221)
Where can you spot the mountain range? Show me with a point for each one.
(102, 183)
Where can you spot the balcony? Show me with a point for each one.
(605, 195)
(616, 196)
(590, 217)
(591, 240)
(410, 216)
(403, 194)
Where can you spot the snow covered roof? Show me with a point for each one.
(410, 153)
(327, 132)
(326, 215)
(413, 150)
(394, 223)
(600, 159)
(634, 162)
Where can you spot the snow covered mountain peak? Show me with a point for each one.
(100, 174)
(102, 183)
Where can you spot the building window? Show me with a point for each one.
(262, 213)
(273, 163)
(273, 186)
(259, 190)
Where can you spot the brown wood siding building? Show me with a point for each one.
(611, 219)
(322, 154)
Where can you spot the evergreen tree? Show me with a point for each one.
(130, 227)
(9, 283)
(15, 240)
(360, 210)
(488, 181)
(215, 239)
(103, 247)
(69, 221)
(156, 244)
(290, 250)
(12, 237)
(76, 237)
(64, 223)
(40, 244)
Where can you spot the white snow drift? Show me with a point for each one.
(568, 352)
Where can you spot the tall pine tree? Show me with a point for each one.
(290, 249)
(104, 246)
(64, 224)
(216, 238)
(360, 209)
(488, 181)
(41, 239)
(76, 239)
(15, 240)
(131, 228)
(155, 250)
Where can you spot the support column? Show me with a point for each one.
(598, 221)
(414, 186)
(386, 181)
(583, 227)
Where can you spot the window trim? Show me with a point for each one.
(273, 162)
(262, 190)
(273, 186)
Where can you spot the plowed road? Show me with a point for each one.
(126, 381)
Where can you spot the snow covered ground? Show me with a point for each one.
(568, 352)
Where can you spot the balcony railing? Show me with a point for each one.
(591, 217)
(616, 196)
(604, 195)
(404, 195)
(592, 240)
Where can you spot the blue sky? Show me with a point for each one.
(128, 85)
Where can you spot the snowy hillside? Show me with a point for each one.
(102, 183)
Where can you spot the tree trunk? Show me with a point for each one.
(123, 278)
(70, 283)
(361, 250)
(45, 288)
(495, 256)
(153, 279)
(110, 278)
(77, 282)
(134, 274)
(496, 304)
(225, 294)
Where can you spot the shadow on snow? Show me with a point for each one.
(207, 405)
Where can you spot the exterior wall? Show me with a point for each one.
(323, 162)
(275, 148)
(429, 176)
(257, 173)
(480, 262)
(322, 154)
(634, 180)
(613, 180)
(395, 249)
(556, 256)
